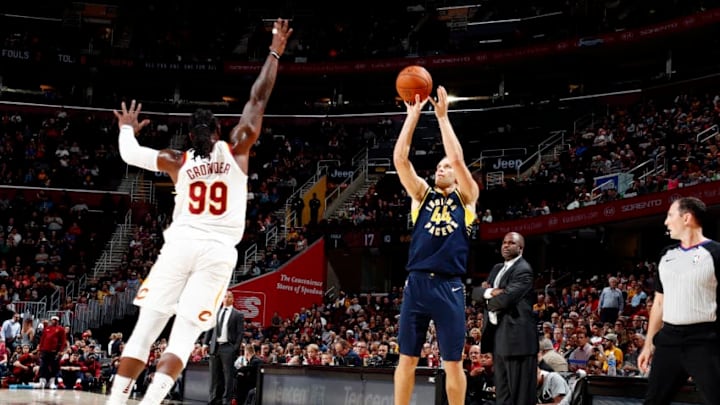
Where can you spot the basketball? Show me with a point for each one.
(413, 80)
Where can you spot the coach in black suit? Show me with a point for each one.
(509, 330)
(223, 344)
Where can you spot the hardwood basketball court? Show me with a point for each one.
(63, 397)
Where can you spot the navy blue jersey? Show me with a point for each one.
(441, 236)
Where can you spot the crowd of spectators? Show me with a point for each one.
(80, 360)
(662, 132)
(51, 148)
(325, 31)
(46, 244)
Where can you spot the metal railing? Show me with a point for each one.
(96, 313)
(250, 254)
(659, 167)
(271, 237)
(360, 159)
(650, 167)
(706, 134)
(358, 175)
(142, 190)
(555, 138)
(55, 298)
(33, 309)
(299, 192)
(116, 245)
(71, 289)
(584, 122)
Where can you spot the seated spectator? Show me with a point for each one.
(4, 358)
(549, 359)
(247, 374)
(93, 370)
(487, 216)
(26, 367)
(345, 355)
(327, 359)
(630, 364)
(479, 376)
(552, 387)
(609, 343)
(72, 370)
(579, 357)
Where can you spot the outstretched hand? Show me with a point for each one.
(441, 105)
(281, 32)
(417, 106)
(130, 116)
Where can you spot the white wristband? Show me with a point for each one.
(134, 154)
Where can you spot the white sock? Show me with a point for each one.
(121, 389)
(158, 389)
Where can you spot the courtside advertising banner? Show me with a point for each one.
(297, 284)
(613, 211)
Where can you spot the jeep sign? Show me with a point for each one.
(504, 164)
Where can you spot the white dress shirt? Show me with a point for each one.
(492, 315)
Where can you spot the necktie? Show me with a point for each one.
(500, 275)
(220, 323)
(492, 314)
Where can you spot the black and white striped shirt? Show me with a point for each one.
(688, 279)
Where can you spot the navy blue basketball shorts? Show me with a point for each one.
(441, 298)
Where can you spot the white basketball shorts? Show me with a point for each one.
(189, 279)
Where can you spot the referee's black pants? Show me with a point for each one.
(682, 351)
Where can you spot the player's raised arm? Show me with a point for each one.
(467, 186)
(414, 184)
(165, 160)
(130, 150)
(246, 132)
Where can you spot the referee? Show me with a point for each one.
(682, 338)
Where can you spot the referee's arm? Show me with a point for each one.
(654, 325)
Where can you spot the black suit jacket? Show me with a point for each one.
(516, 332)
(235, 327)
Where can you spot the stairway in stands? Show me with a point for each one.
(140, 190)
(348, 199)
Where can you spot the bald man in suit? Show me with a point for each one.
(509, 330)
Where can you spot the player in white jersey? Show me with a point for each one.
(195, 264)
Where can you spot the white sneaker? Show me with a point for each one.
(43, 383)
(53, 386)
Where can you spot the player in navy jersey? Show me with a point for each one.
(442, 216)
(683, 336)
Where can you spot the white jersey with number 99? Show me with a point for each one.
(211, 198)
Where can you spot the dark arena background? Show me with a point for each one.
(582, 120)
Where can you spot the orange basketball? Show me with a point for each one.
(413, 80)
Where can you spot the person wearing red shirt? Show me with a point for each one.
(52, 343)
(72, 369)
(313, 355)
(25, 367)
